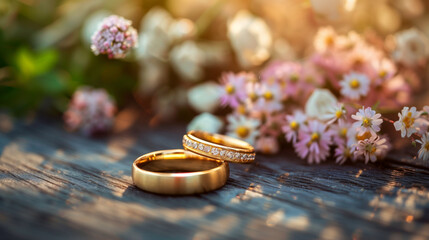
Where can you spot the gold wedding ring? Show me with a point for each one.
(178, 172)
(219, 147)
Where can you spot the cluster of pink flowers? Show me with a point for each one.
(91, 111)
(358, 73)
(355, 137)
(114, 37)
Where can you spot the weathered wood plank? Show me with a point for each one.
(54, 183)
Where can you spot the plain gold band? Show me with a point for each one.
(219, 147)
(178, 172)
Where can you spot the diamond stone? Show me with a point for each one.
(237, 155)
(201, 146)
(222, 152)
(215, 151)
(207, 149)
(194, 145)
(230, 155)
(244, 157)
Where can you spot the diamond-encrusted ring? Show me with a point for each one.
(219, 147)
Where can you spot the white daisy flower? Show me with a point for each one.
(243, 128)
(424, 150)
(367, 121)
(371, 148)
(269, 99)
(405, 124)
(412, 47)
(333, 113)
(325, 39)
(355, 85)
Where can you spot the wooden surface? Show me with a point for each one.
(57, 184)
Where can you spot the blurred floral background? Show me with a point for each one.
(180, 65)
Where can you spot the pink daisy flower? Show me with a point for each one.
(341, 132)
(359, 59)
(343, 152)
(252, 95)
(355, 86)
(233, 88)
(292, 78)
(293, 124)
(371, 148)
(367, 121)
(272, 73)
(313, 142)
(311, 75)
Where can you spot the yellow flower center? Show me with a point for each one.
(315, 137)
(366, 122)
(294, 78)
(370, 148)
(230, 89)
(253, 97)
(339, 113)
(382, 73)
(358, 61)
(294, 125)
(268, 95)
(241, 109)
(427, 146)
(242, 131)
(408, 120)
(354, 84)
(329, 40)
(343, 132)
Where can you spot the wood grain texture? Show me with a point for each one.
(58, 184)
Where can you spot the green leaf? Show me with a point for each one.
(51, 83)
(30, 64)
(25, 63)
(45, 61)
